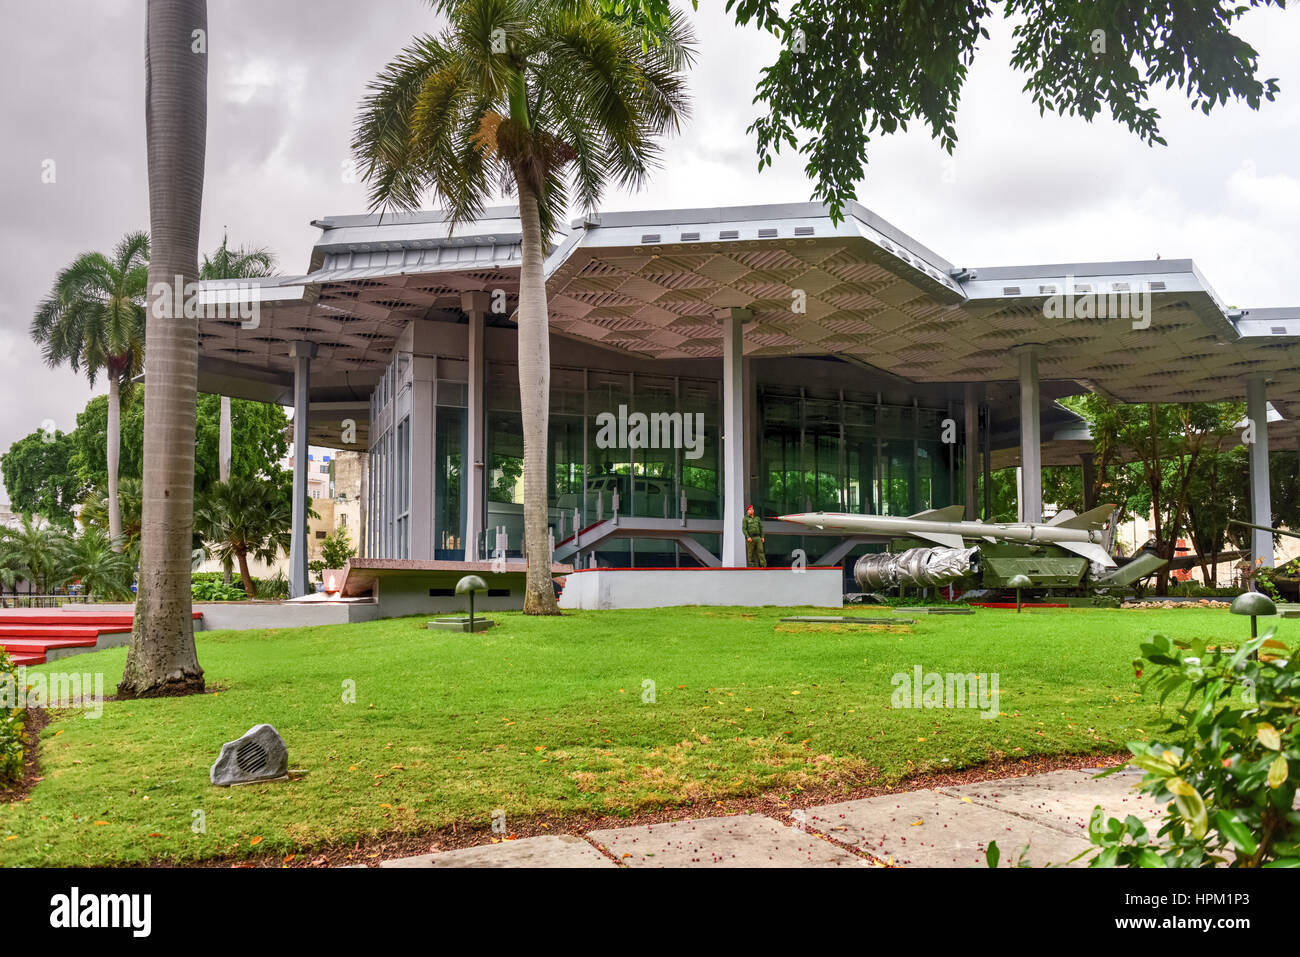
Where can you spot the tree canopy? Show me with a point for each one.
(850, 70)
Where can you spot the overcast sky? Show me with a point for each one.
(285, 78)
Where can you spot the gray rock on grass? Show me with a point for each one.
(260, 755)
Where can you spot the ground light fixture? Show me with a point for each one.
(1254, 604)
(468, 586)
(1018, 582)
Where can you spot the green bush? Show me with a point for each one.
(1227, 765)
(12, 720)
(271, 589)
(215, 590)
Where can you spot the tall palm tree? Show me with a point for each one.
(93, 320)
(543, 98)
(245, 517)
(244, 262)
(162, 659)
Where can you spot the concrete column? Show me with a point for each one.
(971, 408)
(302, 353)
(987, 469)
(1031, 448)
(1261, 505)
(223, 441)
(733, 434)
(475, 307)
(1089, 462)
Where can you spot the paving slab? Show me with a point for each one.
(558, 850)
(743, 840)
(932, 829)
(1063, 799)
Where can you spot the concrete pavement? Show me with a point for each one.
(940, 827)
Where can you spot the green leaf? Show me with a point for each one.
(992, 855)
(1268, 736)
(1230, 826)
(1285, 862)
(1277, 772)
(1192, 808)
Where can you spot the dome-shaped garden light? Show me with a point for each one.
(1254, 604)
(467, 586)
(1018, 582)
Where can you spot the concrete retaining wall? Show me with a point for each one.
(667, 587)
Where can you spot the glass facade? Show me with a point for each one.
(811, 450)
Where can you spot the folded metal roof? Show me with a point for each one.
(652, 283)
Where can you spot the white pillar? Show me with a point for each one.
(475, 306)
(1031, 450)
(302, 353)
(1261, 504)
(223, 441)
(970, 460)
(733, 434)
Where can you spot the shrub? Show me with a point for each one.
(12, 721)
(1227, 765)
(215, 590)
(274, 588)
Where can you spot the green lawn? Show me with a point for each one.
(545, 716)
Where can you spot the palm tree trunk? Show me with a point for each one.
(162, 659)
(114, 437)
(249, 588)
(534, 401)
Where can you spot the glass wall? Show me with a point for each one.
(826, 450)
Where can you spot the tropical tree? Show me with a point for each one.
(91, 559)
(245, 517)
(40, 475)
(240, 263)
(162, 659)
(31, 552)
(94, 512)
(848, 70)
(548, 99)
(93, 320)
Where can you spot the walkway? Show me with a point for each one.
(942, 827)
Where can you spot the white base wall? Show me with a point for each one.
(665, 587)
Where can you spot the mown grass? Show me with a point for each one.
(546, 716)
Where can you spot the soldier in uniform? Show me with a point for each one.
(752, 526)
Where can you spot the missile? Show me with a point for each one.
(1080, 534)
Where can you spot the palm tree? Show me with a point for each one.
(543, 98)
(94, 513)
(93, 320)
(90, 558)
(226, 263)
(162, 659)
(31, 552)
(245, 517)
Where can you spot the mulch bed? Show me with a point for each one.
(371, 850)
(37, 719)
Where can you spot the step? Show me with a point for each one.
(57, 631)
(33, 647)
(78, 619)
(27, 659)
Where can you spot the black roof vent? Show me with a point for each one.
(767, 234)
(805, 230)
(729, 234)
(650, 238)
(690, 237)
(1010, 290)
